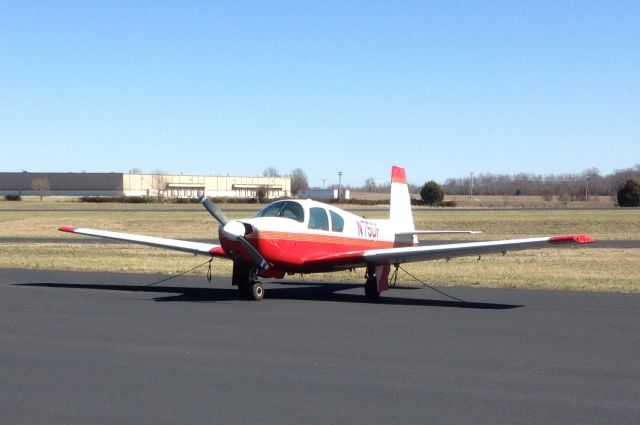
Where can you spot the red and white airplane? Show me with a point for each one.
(304, 236)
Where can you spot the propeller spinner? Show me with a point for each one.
(235, 231)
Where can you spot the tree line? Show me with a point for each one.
(567, 186)
(571, 186)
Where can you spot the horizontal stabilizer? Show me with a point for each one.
(438, 232)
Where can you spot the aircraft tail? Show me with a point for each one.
(400, 213)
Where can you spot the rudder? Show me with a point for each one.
(400, 213)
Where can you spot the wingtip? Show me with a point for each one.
(582, 238)
(69, 229)
(579, 238)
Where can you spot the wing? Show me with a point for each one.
(175, 244)
(435, 252)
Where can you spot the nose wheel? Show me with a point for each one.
(246, 279)
(251, 290)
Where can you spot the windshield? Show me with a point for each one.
(285, 209)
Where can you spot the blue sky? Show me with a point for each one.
(443, 88)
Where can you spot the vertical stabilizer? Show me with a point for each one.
(400, 213)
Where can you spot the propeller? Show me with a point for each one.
(254, 254)
(235, 231)
(213, 210)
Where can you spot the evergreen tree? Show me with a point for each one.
(431, 193)
(629, 194)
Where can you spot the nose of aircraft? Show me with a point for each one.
(233, 229)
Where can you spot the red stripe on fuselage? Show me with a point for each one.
(309, 253)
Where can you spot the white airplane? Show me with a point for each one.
(304, 236)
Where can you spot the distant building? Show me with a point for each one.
(126, 184)
(323, 194)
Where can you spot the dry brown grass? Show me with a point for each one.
(483, 201)
(101, 257)
(195, 223)
(464, 201)
(583, 269)
(576, 269)
(599, 224)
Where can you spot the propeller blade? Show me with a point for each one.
(253, 253)
(213, 210)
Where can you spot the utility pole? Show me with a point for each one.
(586, 190)
(471, 185)
(339, 184)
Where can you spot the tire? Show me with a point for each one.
(371, 288)
(257, 291)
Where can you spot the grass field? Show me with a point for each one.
(485, 201)
(579, 268)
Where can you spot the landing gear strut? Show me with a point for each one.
(246, 279)
(371, 285)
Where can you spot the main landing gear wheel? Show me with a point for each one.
(371, 288)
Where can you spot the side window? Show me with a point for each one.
(318, 219)
(337, 222)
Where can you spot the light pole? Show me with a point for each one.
(339, 184)
(586, 190)
(471, 185)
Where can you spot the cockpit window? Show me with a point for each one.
(285, 209)
(337, 222)
(318, 219)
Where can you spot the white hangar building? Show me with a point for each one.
(127, 184)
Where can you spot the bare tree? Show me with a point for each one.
(370, 184)
(568, 186)
(159, 183)
(41, 185)
(299, 181)
(271, 171)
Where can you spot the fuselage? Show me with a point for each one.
(305, 236)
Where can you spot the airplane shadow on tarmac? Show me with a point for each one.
(308, 291)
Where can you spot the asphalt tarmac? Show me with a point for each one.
(96, 348)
